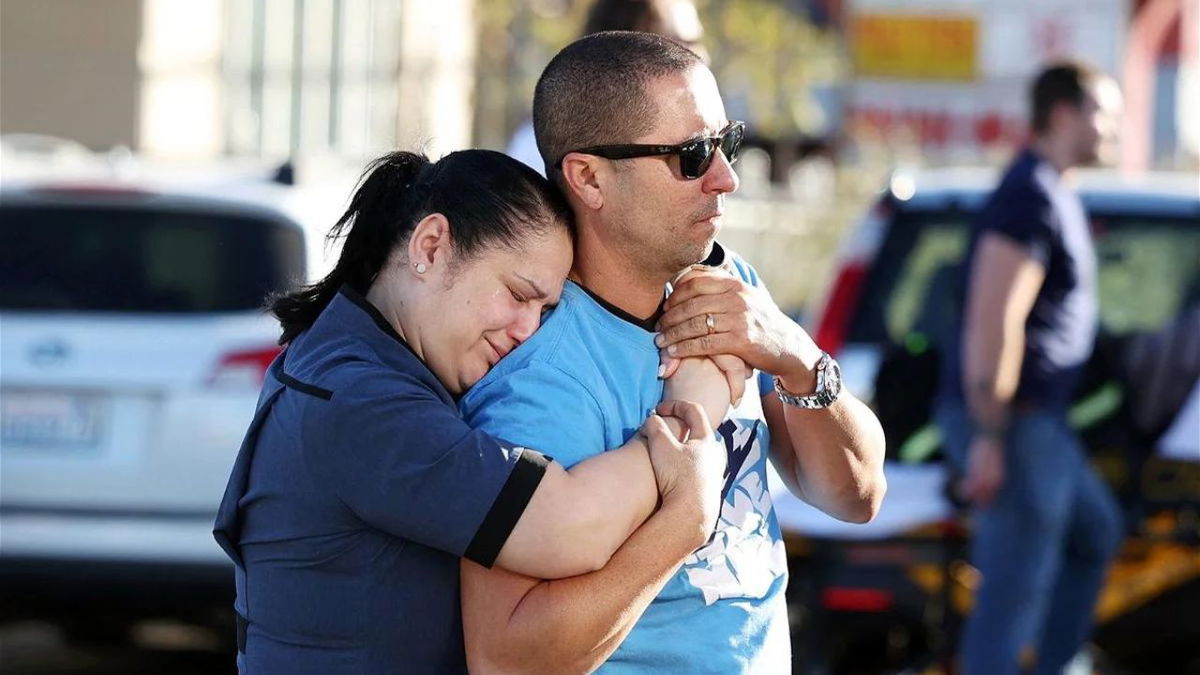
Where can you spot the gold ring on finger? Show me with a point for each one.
(710, 322)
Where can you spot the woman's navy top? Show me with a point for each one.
(356, 491)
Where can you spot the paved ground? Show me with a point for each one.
(33, 648)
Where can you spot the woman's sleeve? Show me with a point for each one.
(405, 462)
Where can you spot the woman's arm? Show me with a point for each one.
(507, 618)
(578, 518)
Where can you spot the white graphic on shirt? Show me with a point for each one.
(742, 559)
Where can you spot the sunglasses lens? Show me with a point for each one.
(695, 159)
(731, 142)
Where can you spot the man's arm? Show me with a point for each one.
(520, 624)
(578, 517)
(832, 458)
(1004, 284)
(513, 623)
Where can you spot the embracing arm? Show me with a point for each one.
(577, 518)
(507, 618)
(831, 458)
(513, 623)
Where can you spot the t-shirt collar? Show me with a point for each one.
(716, 258)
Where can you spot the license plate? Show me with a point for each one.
(50, 419)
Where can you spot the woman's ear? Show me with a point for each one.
(429, 245)
(582, 176)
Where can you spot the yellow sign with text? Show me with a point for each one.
(913, 47)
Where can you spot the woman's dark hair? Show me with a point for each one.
(488, 198)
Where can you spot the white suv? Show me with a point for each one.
(132, 346)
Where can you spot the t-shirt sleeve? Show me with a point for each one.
(539, 406)
(1024, 216)
(404, 461)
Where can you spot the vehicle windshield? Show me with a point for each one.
(1147, 273)
(121, 259)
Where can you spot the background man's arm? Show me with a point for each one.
(1004, 284)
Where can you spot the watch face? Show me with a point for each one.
(833, 377)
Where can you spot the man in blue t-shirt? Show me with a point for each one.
(1047, 526)
(632, 128)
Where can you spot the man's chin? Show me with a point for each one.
(704, 233)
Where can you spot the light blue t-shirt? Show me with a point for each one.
(583, 384)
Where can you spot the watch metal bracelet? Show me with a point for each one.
(829, 386)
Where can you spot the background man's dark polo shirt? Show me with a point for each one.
(1034, 209)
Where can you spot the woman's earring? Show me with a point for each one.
(420, 267)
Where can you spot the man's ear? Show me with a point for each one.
(429, 245)
(581, 173)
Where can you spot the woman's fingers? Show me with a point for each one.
(692, 414)
(655, 430)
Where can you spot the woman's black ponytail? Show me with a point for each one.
(486, 196)
(370, 226)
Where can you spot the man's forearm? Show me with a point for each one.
(517, 624)
(834, 456)
(992, 356)
(1003, 289)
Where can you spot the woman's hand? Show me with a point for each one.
(690, 472)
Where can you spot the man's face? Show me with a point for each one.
(662, 221)
(1096, 122)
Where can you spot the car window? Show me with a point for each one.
(142, 260)
(1149, 269)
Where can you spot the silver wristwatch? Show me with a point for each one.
(829, 386)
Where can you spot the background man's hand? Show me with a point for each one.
(985, 470)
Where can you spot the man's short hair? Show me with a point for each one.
(593, 92)
(1061, 82)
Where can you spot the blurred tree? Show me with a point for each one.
(777, 69)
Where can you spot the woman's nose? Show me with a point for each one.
(526, 323)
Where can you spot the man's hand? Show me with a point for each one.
(692, 471)
(745, 323)
(985, 470)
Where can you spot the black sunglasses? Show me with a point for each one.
(695, 156)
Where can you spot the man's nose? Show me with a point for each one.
(720, 176)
